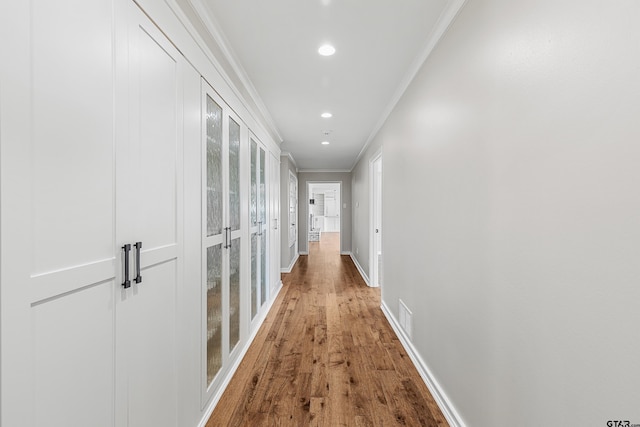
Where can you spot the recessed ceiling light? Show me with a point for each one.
(325, 142)
(326, 115)
(326, 50)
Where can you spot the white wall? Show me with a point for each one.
(511, 212)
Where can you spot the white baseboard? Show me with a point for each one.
(293, 263)
(445, 405)
(303, 253)
(232, 370)
(359, 267)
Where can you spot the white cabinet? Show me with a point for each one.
(90, 162)
(223, 238)
(93, 111)
(148, 167)
(258, 226)
(58, 249)
(274, 214)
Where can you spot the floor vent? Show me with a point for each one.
(405, 321)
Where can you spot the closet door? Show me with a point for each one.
(222, 245)
(148, 218)
(259, 231)
(274, 238)
(58, 252)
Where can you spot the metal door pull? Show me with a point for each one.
(138, 246)
(127, 282)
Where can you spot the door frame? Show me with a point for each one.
(309, 183)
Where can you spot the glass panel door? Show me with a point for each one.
(222, 242)
(213, 239)
(262, 233)
(258, 214)
(233, 247)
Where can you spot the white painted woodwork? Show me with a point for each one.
(274, 222)
(293, 209)
(237, 236)
(100, 143)
(258, 227)
(149, 210)
(58, 253)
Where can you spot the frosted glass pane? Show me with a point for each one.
(214, 311)
(263, 269)
(254, 274)
(263, 217)
(214, 168)
(234, 294)
(254, 185)
(234, 174)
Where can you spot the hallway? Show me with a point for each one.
(326, 356)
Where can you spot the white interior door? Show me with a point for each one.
(148, 209)
(293, 211)
(274, 215)
(258, 219)
(57, 212)
(376, 231)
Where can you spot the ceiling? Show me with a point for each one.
(379, 44)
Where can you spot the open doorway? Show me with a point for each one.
(324, 222)
(376, 221)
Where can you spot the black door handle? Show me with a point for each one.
(227, 237)
(127, 282)
(138, 246)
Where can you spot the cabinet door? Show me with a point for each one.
(274, 235)
(148, 209)
(259, 230)
(223, 133)
(57, 285)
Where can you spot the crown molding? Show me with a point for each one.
(214, 30)
(324, 171)
(443, 23)
(290, 156)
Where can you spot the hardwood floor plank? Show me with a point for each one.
(326, 356)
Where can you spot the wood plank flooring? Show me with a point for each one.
(326, 356)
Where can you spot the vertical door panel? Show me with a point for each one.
(149, 187)
(274, 233)
(57, 213)
(151, 349)
(234, 294)
(262, 208)
(214, 167)
(214, 311)
(254, 274)
(72, 205)
(157, 134)
(234, 175)
(73, 343)
(213, 243)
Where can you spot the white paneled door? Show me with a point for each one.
(148, 221)
(91, 184)
(58, 203)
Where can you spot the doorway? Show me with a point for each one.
(376, 221)
(324, 222)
